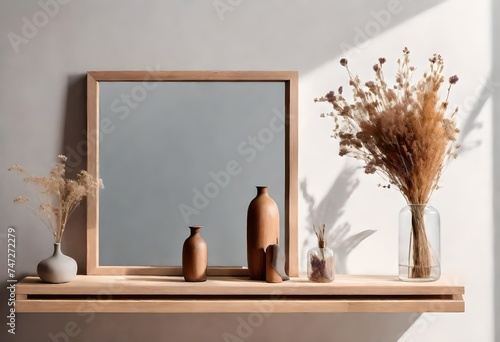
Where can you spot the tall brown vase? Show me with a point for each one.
(263, 229)
(195, 256)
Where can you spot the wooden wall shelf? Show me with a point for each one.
(168, 294)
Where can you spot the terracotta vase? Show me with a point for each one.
(58, 268)
(195, 256)
(263, 229)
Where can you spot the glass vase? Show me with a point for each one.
(320, 264)
(419, 243)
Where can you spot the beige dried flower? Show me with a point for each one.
(17, 168)
(401, 132)
(21, 199)
(58, 196)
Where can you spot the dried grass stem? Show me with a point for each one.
(58, 197)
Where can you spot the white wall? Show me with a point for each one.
(42, 113)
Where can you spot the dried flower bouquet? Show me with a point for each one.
(58, 196)
(403, 133)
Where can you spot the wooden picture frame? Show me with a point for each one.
(290, 80)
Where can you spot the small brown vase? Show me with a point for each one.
(263, 229)
(195, 256)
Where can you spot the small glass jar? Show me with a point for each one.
(321, 263)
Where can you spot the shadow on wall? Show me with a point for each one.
(74, 146)
(361, 22)
(329, 211)
(470, 123)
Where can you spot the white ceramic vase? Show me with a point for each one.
(58, 268)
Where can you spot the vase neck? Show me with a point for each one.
(195, 230)
(57, 247)
(262, 190)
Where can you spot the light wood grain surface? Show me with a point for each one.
(235, 294)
